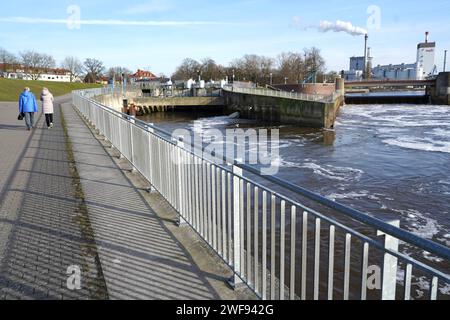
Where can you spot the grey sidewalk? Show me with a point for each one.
(40, 223)
(139, 248)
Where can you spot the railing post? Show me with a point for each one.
(235, 282)
(151, 132)
(389, 270)
(132, 122)
(181, 219)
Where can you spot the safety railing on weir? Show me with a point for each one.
(281, 94)
(279, 246)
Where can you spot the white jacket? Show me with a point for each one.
(47, 102)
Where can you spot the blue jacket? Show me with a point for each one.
(27, 102)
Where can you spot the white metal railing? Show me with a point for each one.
(280, 247)
(282, 94)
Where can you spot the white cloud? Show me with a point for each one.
(144, 23)
(149, 7)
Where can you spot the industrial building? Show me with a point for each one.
(423, 68)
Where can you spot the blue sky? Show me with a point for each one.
(158, 34)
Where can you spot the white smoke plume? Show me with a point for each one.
(342, 26)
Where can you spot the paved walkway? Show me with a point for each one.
(41, 228)
(117, 235)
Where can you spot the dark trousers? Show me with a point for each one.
(49, 118)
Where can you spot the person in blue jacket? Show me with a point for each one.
(28, 106)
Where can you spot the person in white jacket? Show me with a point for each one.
(47, 106)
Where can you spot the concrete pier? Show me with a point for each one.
(286, 110)
(440, 93)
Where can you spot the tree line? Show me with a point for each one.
(35, 64)
(288, 67)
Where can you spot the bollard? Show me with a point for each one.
(389, 273)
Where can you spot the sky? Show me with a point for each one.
(158, 34)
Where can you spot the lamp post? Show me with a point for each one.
(271, 78)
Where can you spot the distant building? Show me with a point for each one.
(19, 72)
(395, 72)
(426, 58)
(357, 63)
(143, 76)
(352, 75)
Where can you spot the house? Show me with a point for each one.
(143, 76)
(17, 71)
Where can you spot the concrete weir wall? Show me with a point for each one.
(440, 93)
(283, 110)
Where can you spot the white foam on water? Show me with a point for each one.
(440, 133)
(349, 195)
(419, 144)
(423, 283)
(345, 174)
(420, 224)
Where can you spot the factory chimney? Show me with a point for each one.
(426, 36)
(366, 38)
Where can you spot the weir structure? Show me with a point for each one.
(279, 239)
(303, 109)
(436, 91)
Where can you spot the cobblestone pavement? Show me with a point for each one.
(42, 229)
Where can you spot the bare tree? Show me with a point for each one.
(291, 67)
(118, 73)
(211, 70)
(36, 64)
(7, 59)
(315, 63)
(189, 69)
(94, 69)
(253, 68)
(295, 67)
(74, 66)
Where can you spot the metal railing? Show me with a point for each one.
(282, 94)
(278, 245)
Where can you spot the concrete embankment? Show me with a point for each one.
(284, 110)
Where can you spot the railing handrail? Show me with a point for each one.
(281, 94)
(385, 227)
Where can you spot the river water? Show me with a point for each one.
(392, 161)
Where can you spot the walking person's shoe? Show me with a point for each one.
(51, 125)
